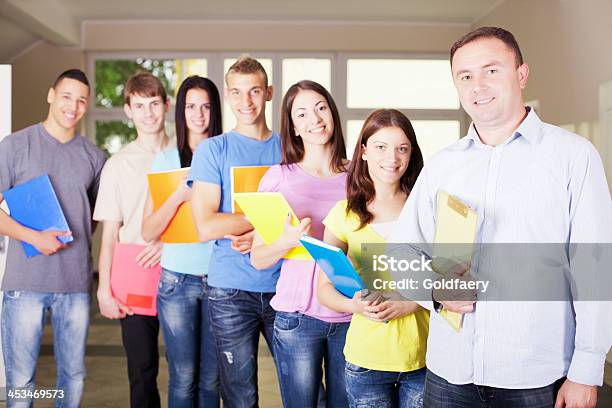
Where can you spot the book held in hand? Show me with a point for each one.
(181, 229)
(133, 284)
(268, 212)
(34, 204)
(455, 225)
(334, 262)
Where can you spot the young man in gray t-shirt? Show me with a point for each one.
(58, 280)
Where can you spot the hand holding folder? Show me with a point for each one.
(134, 285)
(268, 213)
(182, 227)
(34, 204)
(453, 243)
(334, 262)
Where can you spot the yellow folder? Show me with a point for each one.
(456, 224)
(268, 212)
(182, 227)
(245, 179)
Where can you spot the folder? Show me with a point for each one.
(333, 261)
(182, 226)
(34, 204)
(132, 284)
(267, 213)
(456, 224)
(245, 179)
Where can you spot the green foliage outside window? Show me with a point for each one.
(111, 76)
(111, 135)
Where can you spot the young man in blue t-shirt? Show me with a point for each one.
(239, 297)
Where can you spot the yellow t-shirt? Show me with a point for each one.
(398, 345)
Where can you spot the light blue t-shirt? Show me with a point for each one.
(192, 259)
(211, 163)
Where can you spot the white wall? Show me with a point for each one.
(5, 129)
(567, 47)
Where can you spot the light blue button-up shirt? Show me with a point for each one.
(543, 185)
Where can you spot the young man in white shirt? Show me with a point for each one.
(120, 207)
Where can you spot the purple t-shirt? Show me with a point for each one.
(309, 196)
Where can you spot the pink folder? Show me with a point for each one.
(132, 284)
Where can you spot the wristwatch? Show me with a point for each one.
(436, 305)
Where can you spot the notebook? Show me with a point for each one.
(34, 204)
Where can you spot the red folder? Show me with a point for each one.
(132, 284)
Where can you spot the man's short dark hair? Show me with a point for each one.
(75, 74)
(489, 32)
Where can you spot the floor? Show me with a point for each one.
(107, 385)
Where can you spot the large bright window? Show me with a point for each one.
(314, 69)
(432, 135)
(419, 86)
(107, 121)
(400, 83)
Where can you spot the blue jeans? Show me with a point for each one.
(384, 389)
(237, 317)
(182, 305)
(439, 393)
(301, 344)
(23, 321)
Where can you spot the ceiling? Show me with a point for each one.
(23, 22)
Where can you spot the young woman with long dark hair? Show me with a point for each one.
(312, 178)
(182, 300)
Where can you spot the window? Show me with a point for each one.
(432, 135)
(314, 69)
(421, 87)
(400, 83)
(112, 74)
(107, 122)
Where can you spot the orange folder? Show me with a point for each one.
(182, 228)
(245, 179)
(132, 284)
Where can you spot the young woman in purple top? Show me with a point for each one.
(312, 177)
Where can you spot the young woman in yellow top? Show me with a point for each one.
(386, 341)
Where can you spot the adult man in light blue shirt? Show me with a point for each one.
(530, 182)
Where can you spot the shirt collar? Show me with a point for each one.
(529, 129)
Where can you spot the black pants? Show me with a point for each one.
(139, 335)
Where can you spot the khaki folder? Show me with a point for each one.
(455, 224)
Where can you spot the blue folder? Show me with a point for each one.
(34, 204)
(335, 264)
